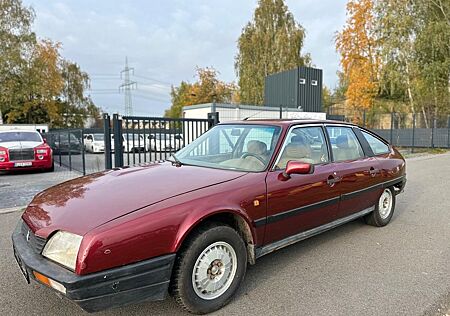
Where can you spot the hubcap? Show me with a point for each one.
(214, 270)
(385, 204)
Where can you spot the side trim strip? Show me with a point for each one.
(306, 208)
(280, 216)
(351, 195)
(309, 233)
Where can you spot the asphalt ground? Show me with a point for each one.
(19, 187)
(400, 269)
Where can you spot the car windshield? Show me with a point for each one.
(20, 136)
(99, 137)
(243, 147)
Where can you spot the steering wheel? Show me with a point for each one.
(255, 156)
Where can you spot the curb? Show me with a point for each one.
(12, 209)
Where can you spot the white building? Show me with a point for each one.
(232, 112)
(41, 128)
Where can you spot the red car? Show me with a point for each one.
(190, 226)
(24, 150)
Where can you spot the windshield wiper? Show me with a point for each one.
(175, 161)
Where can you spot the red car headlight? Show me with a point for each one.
(3, 154)
(41, 151)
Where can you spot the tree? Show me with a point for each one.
(37, 85)
(270, 43)
(414, 36)
(207, 89)
(40, 84)
(16, 43)
(396, 28)
(357, 45)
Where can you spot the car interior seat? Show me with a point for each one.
(297, 149)
(346, 150)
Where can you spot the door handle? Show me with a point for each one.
(333, 179)
(373, 172)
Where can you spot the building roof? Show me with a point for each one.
(286, 122)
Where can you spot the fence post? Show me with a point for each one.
(213, 119)
(59, 148)
(107, 136)
(118, 141)
(281, 111)
(364, 118)
(413, 133)
(392, 126)
(432, 132)
(83, 152)
(70, 151)
(448, 132)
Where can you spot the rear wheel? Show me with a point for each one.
(384, 209)
(209, 269)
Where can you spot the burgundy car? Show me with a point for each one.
(189, 226)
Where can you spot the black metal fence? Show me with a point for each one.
(412, 130)
(131, 140)
(68, 148)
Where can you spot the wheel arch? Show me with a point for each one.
(235, 219)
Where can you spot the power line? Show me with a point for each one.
(153, 79)
(150, 98)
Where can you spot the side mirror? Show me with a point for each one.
(297, 167)
(45, 140)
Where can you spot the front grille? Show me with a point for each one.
(21, 154)
(36, 243)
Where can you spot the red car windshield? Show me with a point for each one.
(242, 147)
(20, 137)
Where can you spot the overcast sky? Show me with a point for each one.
(166, 40)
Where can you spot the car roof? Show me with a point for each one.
(287, 122)
(18, 130)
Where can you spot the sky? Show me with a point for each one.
(165, 41)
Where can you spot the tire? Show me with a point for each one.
(186, 288)
(51, 169)
(384, 209)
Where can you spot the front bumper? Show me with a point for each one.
(143, 281)
(35, 164)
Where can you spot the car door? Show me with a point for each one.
(356, 171)
(303, 201)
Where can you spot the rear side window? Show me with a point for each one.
(378, 147)
(344, 144)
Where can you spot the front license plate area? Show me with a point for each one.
(21, 266)
(23, 164)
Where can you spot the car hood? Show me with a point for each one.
(84, 203)
(19, 144)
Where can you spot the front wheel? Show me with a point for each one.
(384, 209)
(209, 269)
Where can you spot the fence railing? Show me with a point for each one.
(404, 129)
(130, 140)
(68, 148)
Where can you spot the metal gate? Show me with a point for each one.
(131, 140)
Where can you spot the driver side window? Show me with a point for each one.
(305, 144)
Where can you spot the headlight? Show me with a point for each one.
(2, 152)
(41, 151)
(63, 248)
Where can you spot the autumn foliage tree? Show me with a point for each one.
(206, 89)
(37, 85)
(357, 45)
(270, 43)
